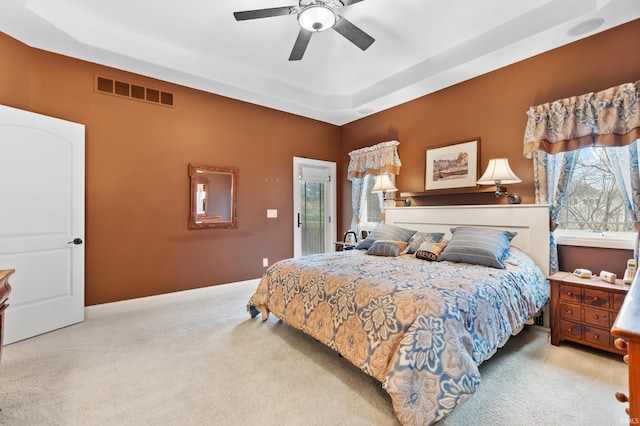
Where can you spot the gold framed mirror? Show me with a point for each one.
(214, 197)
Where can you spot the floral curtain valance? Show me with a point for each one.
(608, 118)
(373, 160)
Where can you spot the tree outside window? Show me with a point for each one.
(593, 201)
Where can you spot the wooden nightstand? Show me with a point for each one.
(583, 310)
(340, 246)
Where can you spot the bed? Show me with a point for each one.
(420, 327)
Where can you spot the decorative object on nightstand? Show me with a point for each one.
(583, 310)
(630, 272)
(350, 237)
(349, 241)
(499, 173)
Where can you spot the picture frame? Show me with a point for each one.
(454, 165)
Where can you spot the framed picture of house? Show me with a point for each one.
(454, 165)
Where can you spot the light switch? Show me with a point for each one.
(271, 213)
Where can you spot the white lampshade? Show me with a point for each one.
(317, 17)
(498, 173)
(383, 184)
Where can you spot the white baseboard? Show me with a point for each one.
(96, 311)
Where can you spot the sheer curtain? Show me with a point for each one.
(551, 175)
(373, 160)
(625, 168)
(609, 118)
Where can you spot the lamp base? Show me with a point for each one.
(514, 198)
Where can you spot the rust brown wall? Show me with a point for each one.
(137, 186)
(596, 260)
(137, 242)
(493, 107)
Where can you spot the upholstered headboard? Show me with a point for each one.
(530, 221)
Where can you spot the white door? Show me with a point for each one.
(314, 206)
(41, 221)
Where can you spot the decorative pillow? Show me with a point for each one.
(386, 232)
(430, 251)
(387, 248)
(479, 246)
(423, 237)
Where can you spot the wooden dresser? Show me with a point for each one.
(5, 289)
(584, 310)
(627, 330)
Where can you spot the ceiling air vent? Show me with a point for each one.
(133, 91)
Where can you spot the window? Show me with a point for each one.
(371, 214)
(593, 212)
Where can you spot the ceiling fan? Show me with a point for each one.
(314, 16)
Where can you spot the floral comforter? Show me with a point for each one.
(421, 328)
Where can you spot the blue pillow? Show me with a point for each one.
(478, 246)
(386, 232)
(386, 248)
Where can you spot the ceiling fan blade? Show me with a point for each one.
(354, 34)
(264, 13)
(349, 2)
(300, 45)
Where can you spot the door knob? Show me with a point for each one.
(76, 241)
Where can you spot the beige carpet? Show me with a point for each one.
(196, 358)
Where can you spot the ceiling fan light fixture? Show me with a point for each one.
(317, 17)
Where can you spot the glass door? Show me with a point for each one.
(313, 216)
(314, 206)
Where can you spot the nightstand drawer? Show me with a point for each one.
(597, 298)
(570, 293)
(570, 312)
(596, 317)
(596, 335)
(571, 329)
(617, 301)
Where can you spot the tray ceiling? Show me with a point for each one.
(421, 46)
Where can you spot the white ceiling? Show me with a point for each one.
(421, 46)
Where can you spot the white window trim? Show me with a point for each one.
(614, 240)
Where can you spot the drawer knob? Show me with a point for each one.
(620, 343)
(621, 397)
(596, 316)
(596, 336)
(626, 359)
(569, 293)
(570, 329)
(569, 311)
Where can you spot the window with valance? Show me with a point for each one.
(556, 130)
(364, 164)
(375, 160)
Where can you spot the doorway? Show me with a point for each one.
(41, 221)
(314, 206)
